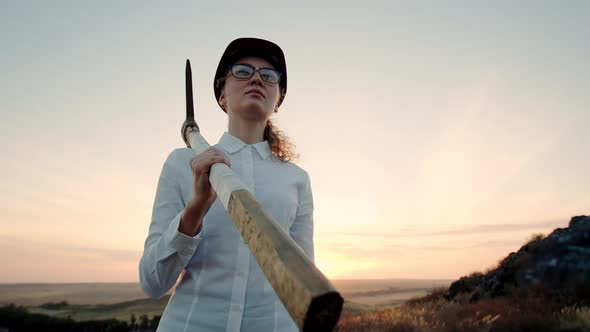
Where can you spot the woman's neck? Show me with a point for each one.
(250, 132)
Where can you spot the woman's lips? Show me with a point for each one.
(255, 93)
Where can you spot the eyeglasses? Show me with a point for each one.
(244, 72)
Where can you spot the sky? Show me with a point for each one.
(438, 137)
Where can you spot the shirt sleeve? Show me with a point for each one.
(302, 229)
(166, 250)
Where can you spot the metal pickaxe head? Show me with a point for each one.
(189, 123)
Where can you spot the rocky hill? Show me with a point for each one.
(556, 266)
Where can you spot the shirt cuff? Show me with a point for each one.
(180, 243)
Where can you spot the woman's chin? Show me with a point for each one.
(253, 112)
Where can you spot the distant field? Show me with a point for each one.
(386, 292)
(84, 293)
(362, 291)
(120, 300)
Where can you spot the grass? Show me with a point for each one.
(434, 313)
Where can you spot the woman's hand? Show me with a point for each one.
(203, 193)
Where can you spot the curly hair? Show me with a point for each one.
(281, 145)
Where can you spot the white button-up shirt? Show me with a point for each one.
(225, 289)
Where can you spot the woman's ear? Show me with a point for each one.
(222, 101)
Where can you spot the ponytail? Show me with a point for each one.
(280, 145)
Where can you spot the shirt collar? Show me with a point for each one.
(233, 144)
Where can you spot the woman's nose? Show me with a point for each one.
(256, 77)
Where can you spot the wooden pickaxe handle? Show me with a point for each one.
(309, 297)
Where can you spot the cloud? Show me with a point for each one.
(470, 230)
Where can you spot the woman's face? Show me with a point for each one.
(252, 98)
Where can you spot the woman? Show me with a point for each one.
(221, 287)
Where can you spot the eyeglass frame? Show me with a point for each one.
(221, 80)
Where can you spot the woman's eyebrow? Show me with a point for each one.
(253, 66)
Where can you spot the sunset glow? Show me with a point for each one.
(437, 140)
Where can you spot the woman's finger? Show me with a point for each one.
(214, 160)
(202, 164)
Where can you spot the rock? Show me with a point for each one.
(464, 285)
(557, 265)
(579, 224)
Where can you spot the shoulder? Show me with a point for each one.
(178, 157)
(180, 153)
(295, 171)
